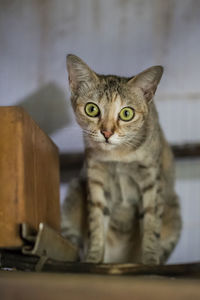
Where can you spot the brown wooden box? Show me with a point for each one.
(29, 176)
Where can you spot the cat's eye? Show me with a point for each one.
(92, 110)
(127, 114)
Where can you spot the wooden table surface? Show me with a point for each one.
(47, 286)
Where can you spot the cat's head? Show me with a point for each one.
(111, 110)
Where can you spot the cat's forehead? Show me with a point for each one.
(113, 83)
(110, 91)
(113, 90)
(110, 88)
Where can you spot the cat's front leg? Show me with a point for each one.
(152, 212)
(96, 204)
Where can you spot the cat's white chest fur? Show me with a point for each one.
(117, 251)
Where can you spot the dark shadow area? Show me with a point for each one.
(18, 261)
(49, 107)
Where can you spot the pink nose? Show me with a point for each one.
(107, 134)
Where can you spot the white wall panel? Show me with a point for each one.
(112, 36)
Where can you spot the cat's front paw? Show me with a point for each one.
(150, 259)
(94, 257)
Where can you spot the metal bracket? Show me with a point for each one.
(47, 243)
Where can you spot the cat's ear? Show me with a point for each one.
(80, 75)
(148, 81)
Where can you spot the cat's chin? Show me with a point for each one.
(107, 146)
(102, 145)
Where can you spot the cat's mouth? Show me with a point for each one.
(107, 143)
(103, 141)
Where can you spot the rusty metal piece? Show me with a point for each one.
(47, 243)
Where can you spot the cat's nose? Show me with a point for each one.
(106, 133)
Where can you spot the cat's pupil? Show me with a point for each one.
(126, 113)
(92, 108)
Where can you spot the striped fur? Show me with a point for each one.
(123, 207)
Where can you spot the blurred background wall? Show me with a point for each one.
(113, 36)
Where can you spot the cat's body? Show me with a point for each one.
(123, 207)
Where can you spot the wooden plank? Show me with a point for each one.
(25, 286)
(29, 176)
(191, 150)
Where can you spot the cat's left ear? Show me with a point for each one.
(148, 81)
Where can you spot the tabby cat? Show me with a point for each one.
(123, 206)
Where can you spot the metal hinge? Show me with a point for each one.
(47, 243)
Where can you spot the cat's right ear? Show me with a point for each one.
(79, 74)
(147, 81)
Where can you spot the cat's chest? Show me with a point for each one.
(123, 183)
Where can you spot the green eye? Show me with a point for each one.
(92, 110)
(127, 114)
